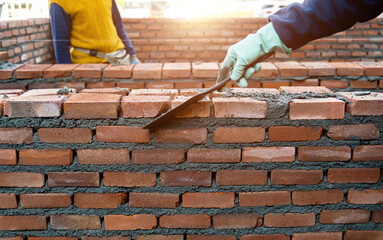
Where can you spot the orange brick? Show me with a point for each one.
(334, 84)
(21, 223)
(159, 237)
(268, 154)
(45, 200)
(97, 85)
(289, 219)
(320, 108)
(304, 198)
(353, 175)
(45, 156)
(76, 85)
(353, 132)
(185, 221)
(188, 84)
(306, 82)
(147, 71)
(319, 69)
(156, 92)
(34, 86)
(8, 157)
(344, 216)
(68, 222)
(8, 73)
(292, 134)
(31, 71)
(210, 237)
(268, 70)
(176, 70)
(324, 154)
(368, 153)
(366, 196)
(205, 70)
(186, 178)
(99, 200)
(275, 84)
(372, 68)
(361, 235)
(205, 155)
(65, 135)
(22, 179)
(239, 135)
(241, 177)
(73, 179)
(262, 199)
(118, 71)
(364, 105)
(355, 84)
(239, 108)
(208, 200)
(303, 89)
(198, 110)
(91, 71)
(92, 106)
(236, 221)
(122, 134)
(153, 200)
(318, 236)
(291, 69)
(132, 222)
(130, 85)
(129, 179)
(187, 136)
(8, 200)
(60, 71)
(144, 106)
(347, 69)
(266, 237)
(160, 84)
(377, 216)
(103, 156)
(296, 177)
(158, 156)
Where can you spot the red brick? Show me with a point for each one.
(176, 70)
(367, 196)
(118, 71)
(381, 84)
(45, 200)
(319, 69)
(364, 105)
(304, 198)
(296, 177)
(187, 136)
(20, 223)
(266, 237)
(275, 84)
(236, 221)
(122, 92)
(143, 106)
(99, 200)
(8, 200)
(60, 71)
(76, 85)
(188, 84)
(294, 134)
(155, 92)
(92, 106)
(31, 71)
(344, 216)
(129, 179)
(3, 56)
(159, 237)
(291, 69)
(303, 89)
(353, 132)
(239, 108)
(241, 177)
(131, 85)
(347, 69)
(268, 154)
(132, 222)
(208, 200)
(147, 71)
(186, 178)
(289, 219)
(353, 175)
(377, 216)
(68, 222)
(368, 153)
(34, 106)
(362, 235)
(205, 155)
(239, 135)
(153, 200)
(118, 237)
(208, 83)
(318, 108)
(33, 86)
(268, 70)
(205, 70)
(372, 68)
(8, 157)
(22, 179)
(324, 154)
(363, 84)
(334, 84)
(318, 236)
(93, 71)
(73, 179)
(97, 85)
(8, 73)
(158, 156)
(160, 84)
(185, 221)
(122, 134)
(305, 83)
(65, 135)
(211, 237)
(198, 110)
(262, 199)
(45, 156)
(52, 238)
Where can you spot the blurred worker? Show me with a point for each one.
(93, 28)
(292, 27)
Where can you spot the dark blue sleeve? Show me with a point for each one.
(298, 24)
(121, 30)
(61, 26)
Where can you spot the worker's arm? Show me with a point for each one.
(118, 23)
(60, 25)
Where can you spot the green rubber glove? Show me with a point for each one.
(242, 54)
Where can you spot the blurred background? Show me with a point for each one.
(24, 9)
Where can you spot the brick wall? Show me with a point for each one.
(294, 163)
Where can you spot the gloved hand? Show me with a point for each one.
(134, 60)
(242, 54)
